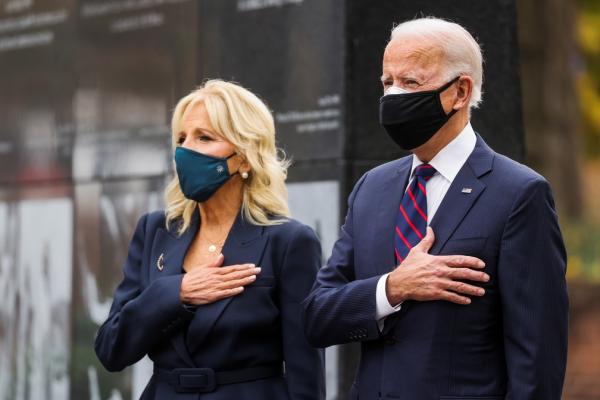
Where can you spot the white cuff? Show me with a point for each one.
(383, 306)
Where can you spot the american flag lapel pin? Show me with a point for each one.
(467, 190)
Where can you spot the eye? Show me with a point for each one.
(180, 140)
(204, 138)
(411, 83)
(387, 83)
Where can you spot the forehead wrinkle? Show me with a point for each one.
(423, 59)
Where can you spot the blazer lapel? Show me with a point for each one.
(390, 193)
(244, 244)
(462, 194)
(168, 252)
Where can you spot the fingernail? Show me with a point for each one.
(481, 292)
(258, 269)
(252, 277)
(486, 277)
(481, 264)
(468, 301)
(250, 265)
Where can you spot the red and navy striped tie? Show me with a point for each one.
(411, 224)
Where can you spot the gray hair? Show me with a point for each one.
(462, 53)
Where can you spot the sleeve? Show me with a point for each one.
(383, 306)
(304, 364)
(342, 309)
(139, 319)
(531, 276)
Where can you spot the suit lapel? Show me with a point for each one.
(455, 206)
(168, 253)
(462, 194)
(390, 193)
(245, 244)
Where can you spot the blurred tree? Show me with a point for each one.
(549, 59)
(588, 25)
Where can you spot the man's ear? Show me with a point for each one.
(464, 90)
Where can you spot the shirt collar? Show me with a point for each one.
(453, 156)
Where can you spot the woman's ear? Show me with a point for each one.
(238, 164)
(244, 166)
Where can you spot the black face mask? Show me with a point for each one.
(411, 119)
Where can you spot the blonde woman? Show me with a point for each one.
(212, 285)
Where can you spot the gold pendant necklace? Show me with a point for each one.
(214, 245)
(212, 248)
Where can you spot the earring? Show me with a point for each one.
(244, 175)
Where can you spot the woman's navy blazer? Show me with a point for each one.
(261, 327)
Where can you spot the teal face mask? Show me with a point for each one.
(200, 175)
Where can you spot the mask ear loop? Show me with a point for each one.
(447, 85)
(442, 89)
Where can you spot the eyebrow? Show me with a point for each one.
(414, 76)
(198, 131)
(204, 131)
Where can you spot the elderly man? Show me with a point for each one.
(450, 267)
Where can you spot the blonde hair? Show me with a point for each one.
(462, 53)
(241, 118)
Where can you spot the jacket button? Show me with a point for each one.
(389, 341)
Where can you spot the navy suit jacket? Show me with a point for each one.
(509, 344)
(259, 327)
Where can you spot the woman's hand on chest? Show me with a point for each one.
(211, 282)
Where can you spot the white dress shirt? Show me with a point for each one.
(447, 163)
